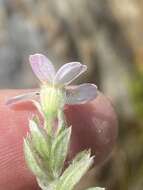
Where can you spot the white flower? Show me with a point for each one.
(45, 72)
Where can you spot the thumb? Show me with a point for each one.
(14, 174)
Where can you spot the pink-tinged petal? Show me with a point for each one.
(42, 67)
(22, 97)
(81, 93)
(68, 72)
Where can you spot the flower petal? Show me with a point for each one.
(22, 97)
(81, 93)
(68, 72)
(42, 67)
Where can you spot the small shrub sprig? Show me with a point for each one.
(46, 145)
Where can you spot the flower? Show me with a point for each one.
(45, 72)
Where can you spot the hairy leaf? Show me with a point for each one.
(31, 161)
(40, 140)
(75, 171)
(96, 188)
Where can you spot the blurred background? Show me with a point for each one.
(107, 35)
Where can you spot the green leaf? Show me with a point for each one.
(61, 122)
(75, 171)
(81, 155)
(96, 188)
(59, 151)
(45, 185)
(35, 163)
(40, 140)
(31, 161)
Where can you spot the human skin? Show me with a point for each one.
(94, 125)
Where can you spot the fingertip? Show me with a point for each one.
(94, 126)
